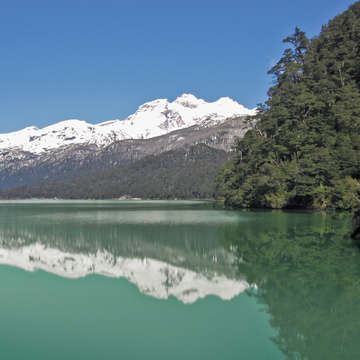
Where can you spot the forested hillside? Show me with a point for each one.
(305, 149)
(185, 173)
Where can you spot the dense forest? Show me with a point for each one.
(304, 151)
(185, 173)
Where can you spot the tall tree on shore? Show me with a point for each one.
(304, 151)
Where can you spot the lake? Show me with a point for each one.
(175, 280)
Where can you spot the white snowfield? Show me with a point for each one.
(152, 277)
(152, 119)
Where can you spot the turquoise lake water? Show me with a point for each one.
(175, 280)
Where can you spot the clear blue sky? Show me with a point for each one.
(100, 60)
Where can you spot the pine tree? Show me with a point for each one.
(304, 149)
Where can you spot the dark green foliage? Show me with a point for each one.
(307, 277)
(305, 148)
(183, 173)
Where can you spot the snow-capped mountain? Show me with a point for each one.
(152, 119)
(74, 148)
(152, 277)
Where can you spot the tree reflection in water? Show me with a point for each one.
(307, 274)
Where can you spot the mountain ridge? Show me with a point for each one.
(182, 144)
(151, 119)
(19, 168)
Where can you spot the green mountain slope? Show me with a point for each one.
(305, 149)
(184, 173)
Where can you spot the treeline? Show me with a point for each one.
(186, 173)
(305, 148)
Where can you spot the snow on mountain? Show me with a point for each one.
(152, 277)
(152, 119)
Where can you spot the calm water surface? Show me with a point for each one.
(175, 280)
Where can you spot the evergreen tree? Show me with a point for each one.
(304, 149)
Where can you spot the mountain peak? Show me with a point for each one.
(154, 118)
(73, 123)
(189, 100)
(30, 128)
(226, 99)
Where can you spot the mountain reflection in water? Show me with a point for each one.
(300, 267)
(173, 252)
